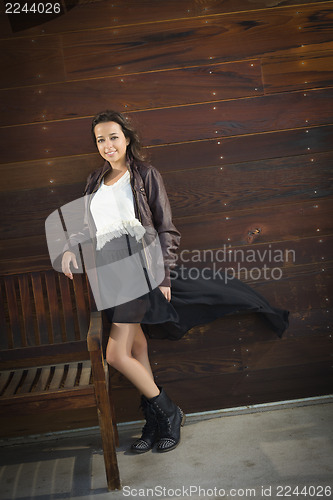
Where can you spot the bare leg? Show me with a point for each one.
(140, 349)
(119, 355)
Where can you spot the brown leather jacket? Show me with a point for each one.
(151, 206)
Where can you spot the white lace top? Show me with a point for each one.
(112, 208)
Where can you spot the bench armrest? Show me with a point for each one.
(95, 332)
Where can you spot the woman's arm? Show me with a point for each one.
(66, 229)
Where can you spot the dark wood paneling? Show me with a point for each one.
(30, 61)
(24, 243)
(210, 190)
(230, 390)
(298, 72)
(235, 334)
(292, 382)
(261, 356)
(199, 41)
(50, 174)
(202, 191)
(24, 254)
(287, 222)
(93, 14)
(197, 363)
(273, 254)
(176, 157)
(182, 123)
(132, 92)
(238, 331)
(236, 117)
(290, 352)
(245, 185)
(170, 158)
(290, 290)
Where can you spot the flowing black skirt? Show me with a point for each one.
(194, 301)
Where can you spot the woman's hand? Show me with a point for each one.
(166, 290)
(67, 258)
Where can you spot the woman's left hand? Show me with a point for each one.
(166, 290)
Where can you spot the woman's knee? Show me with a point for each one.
(120, 344)
(115, 359)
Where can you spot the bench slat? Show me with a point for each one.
(67, 306)
(85, 373)
(3, 323)
(71, 376)
(79, 282)
(14, 383)
(41, 376)
(42, 380)
(28, 321)
(26, 386)
(57, 377)
(15, 330)
(43, 333)
(54, 308)
(4, 377)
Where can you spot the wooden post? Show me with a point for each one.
(105, 421)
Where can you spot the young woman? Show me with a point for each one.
(127, 207)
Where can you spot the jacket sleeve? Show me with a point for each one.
(160, 207)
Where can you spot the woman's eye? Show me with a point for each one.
(100, 140)
(114, 137)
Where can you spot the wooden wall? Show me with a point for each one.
(233, 100)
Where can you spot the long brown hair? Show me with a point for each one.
(134, 149)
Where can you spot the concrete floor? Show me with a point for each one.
(256, 452)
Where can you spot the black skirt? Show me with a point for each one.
(194, 301)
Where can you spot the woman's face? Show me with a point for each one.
(111, 142)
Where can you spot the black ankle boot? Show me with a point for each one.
(149, 431)
(169, 418)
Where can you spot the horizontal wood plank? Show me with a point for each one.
(143, 91)
(286, 222)
(43, 355)
(258, 356)
(282, 254)
(225, 37)
(53, 400)
(39, 61)
(235, 117)
(174, 125)
(250, 184)
(237, 331)
(258, 146)
(290, 352)
(288, 73)
(93, 14)
(50, 173)
(74, 170)
(231, 390)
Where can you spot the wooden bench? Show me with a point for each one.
(51, 356)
